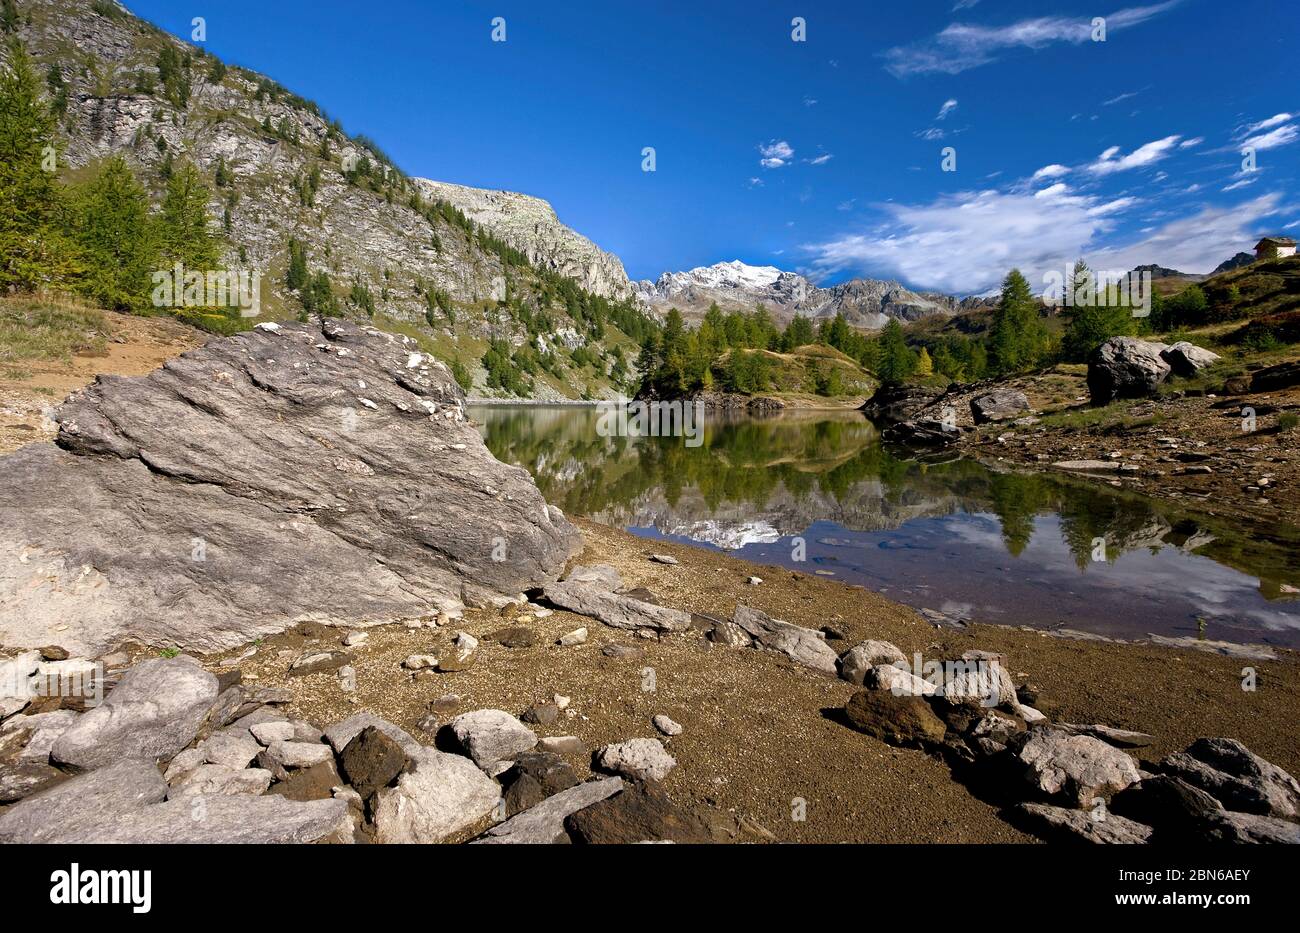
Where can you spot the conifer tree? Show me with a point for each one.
(34, 249)
(118, 243)
(1016, 337)
(184, 235)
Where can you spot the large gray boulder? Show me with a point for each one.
(801, 645)
(441, 795)
(1125, 367)
(221, 820)
(154, 712)
(491, 736)
(1075, 768)
(293, 472)
(75, 808)
(1187, 359)
(998, 405)
(1237, 777)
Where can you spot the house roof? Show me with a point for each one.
(1275, 241)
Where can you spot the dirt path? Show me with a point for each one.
(30, 389)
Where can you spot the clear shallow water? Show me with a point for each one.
(957, 537)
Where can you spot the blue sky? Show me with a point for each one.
(823, 156)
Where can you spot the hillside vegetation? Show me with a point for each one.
(178, 157)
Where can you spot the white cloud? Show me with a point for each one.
(1239, 184)
(1118, 98)
(1051, 171)
(948, 107)
(810, 101)
(960, 47)
(1275, 120)
(1189, 143)
(821, 159)
(756, 183)
(1147, 154)
(1194, 244)
(931, 134)
(775, 154)
(1282, 136)
(966, 242)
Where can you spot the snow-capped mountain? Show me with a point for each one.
(739, 286)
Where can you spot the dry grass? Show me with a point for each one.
(49, 327)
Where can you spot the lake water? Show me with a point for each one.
(819, 493)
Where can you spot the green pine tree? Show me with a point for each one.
(184, 235)
(35, 251)
(1016, 337)
(118, 242)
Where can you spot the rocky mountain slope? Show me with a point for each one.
(280, 168)
(735, 285)
(531, 226)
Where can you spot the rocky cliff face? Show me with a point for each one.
(293, 172)
(735, 285)
(294, 472)
(531, 226)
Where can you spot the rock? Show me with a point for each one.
(1120, 738)
(445, 704)
(666, 725)
(1027, 694)
(640, 759)
(439, 795)
(266, 733)
(1187, 359)
(1210, 646)
(728, 633)
(154, 711)
(562, 744)
(1237, 777)
(546, 770)
(664, 559)
(1252, 828)
(1075, 768)
(54, 653)
(230, 751)
(219, 780)
(542, 714)
(521, 793)
(862, 657)
(898, 720)
(515, 636)
(897, 681)
(1093, 466)
(23, 777)
(998, 405)
(490, 736)
(802, 645)
(922, 432)
(640, 813)
(1081, 826)
(755, 581)
(317, 662)
(15, 674)
(268, 820)
(894, 403)
(461, 656)
(420, 662)
(146, 465)
(315, 783)
(281, 756)
(577, 637)
(67, 811)
(1178, 811)
(45, 730)
(619, 611)
(372, 760)
(1272, 378)
(543, 823)
(224, 711)
(1125, 367)
(601, 575)
(353, 639)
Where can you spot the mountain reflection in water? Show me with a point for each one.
(957, 537)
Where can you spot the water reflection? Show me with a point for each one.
(1019, 548)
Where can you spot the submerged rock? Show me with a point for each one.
(265, 490)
